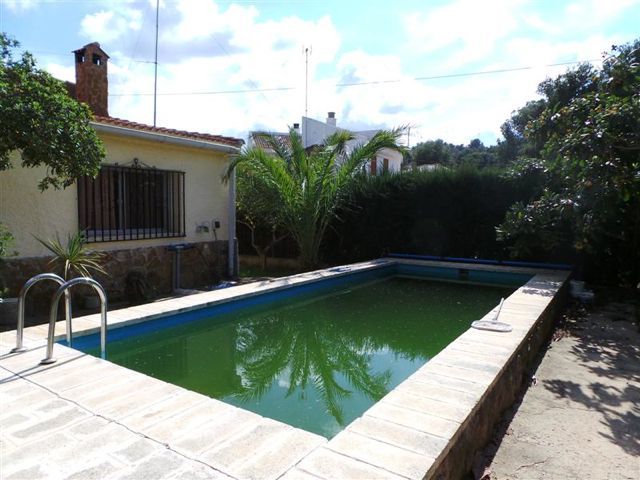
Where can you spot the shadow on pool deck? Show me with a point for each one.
(581, 414)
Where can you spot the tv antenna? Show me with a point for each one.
(155, 70)
(307, 51)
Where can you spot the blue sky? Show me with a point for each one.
(208, 47)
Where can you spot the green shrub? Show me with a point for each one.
(447, 212)
(6, 241)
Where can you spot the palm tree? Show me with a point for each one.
(302, 189)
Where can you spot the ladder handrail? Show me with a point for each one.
(21, 307)
(53, 313)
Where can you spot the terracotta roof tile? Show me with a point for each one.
(118, 122)
(260, 141)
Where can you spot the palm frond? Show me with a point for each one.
(336, 143)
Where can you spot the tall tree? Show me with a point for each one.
(264, 224)
(303, 189)
(43, 123)
(591, 133)
(557, 93)
(432, 152)
(444, 153)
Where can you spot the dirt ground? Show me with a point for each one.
(579, 418)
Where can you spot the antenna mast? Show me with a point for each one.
(155, 72)
(307, 52)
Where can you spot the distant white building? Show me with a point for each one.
(314, 132)
(430, 167)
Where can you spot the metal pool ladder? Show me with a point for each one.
(64, 290)
(21, 307)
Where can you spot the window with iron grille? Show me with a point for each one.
(131, 203)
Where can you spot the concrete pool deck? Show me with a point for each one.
(90, 418)
(581, 418)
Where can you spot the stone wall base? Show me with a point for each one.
(135, 275)
(478, 428)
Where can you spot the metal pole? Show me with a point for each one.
(103, 323)
(54, 310)
(231, 241)
(306, 81)
(67, 310)
(155, 72)
(21, 306)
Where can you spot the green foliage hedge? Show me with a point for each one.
(449, 212)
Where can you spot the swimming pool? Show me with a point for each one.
(317, 355)
(426, 427)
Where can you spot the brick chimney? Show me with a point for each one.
(92, 86)
(331, 118)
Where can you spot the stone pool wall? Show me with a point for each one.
(477, 430)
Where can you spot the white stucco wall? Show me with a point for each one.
(28, 212)
(394, 157)
(314, 132)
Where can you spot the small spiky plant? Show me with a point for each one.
(74, 258)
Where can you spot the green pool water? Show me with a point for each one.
(314, 362)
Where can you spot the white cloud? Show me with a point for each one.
(109, 25)
(203, 18)
(19, 5)
(467, 36)
(61, 72)
(210, 47)
(469, 28)
(540, 52)
(534, 20)
(458, 109)
(595, 12)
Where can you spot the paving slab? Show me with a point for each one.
(454, 359)
(46, 436)
(439, 408)
(150, 415)
(441, 379)
(214, 432)
(194, 428)
(330, 465)
(297, 474)
(387, 456)
(426, 423)
(399, 435)
(266, 451)
(471, 375)
(438, 392)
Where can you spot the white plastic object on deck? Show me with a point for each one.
(493, 325)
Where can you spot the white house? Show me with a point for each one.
(158, 189)
(313, 132)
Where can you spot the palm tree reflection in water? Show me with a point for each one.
(310, 353)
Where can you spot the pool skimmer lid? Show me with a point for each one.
(493, 325)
